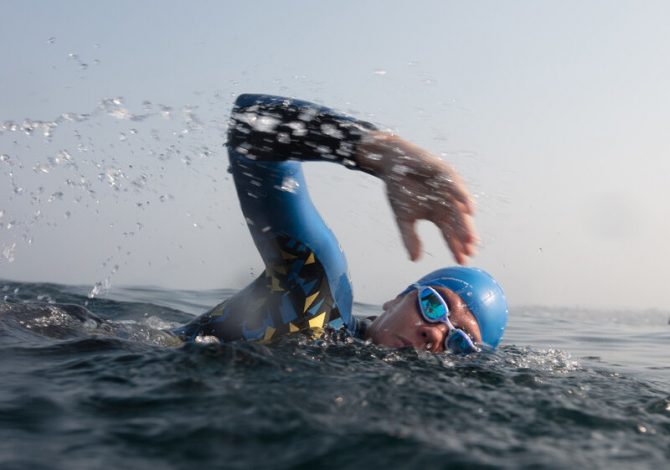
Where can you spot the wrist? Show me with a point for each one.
(375, 151)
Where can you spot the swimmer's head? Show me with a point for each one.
(482, 295)
(476, 305)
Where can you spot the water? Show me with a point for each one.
(567, 388)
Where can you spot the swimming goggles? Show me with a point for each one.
(434, 309)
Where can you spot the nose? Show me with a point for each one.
(431, 336)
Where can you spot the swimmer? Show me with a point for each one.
(305, 286)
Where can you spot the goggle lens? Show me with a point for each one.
(459, 342)
(434, 309)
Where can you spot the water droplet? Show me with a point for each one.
(265, 123)
(202, 339)
(8, 252)
(63, 156)
(114, 107)
(332, 131)
(28, 127)
(166, 111)
(10, 126)
(121, 114)
(41, 168)
(58, 195)
(289, 185)
(95, 290)
(400, 169)
(51, 40)
(75, 117)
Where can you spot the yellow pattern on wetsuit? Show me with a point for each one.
(290, 296)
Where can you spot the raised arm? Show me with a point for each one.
(419, 184)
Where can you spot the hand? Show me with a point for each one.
(420, 186)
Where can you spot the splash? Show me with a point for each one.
(107, 165)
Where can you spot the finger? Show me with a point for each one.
(460, 235)
(456, 248)
(462, 196)
(466, 232)
(459, 191)
(410, 238)
(464, 208)
(455, 245)
(456, 223)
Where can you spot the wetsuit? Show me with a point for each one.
(306, 284)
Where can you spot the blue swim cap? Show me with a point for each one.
(480, 292)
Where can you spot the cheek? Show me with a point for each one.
(404, 321)
(399, 317)
(387, 322)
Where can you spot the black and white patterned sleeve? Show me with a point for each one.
(265, 127)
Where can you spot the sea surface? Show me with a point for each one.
(567, 388)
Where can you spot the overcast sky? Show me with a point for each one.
(113, 115)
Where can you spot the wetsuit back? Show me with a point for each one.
(306, 283)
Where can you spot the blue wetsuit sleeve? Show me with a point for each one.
(265, 133)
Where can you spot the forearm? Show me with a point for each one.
(271, 128)
(381, 153)
(419, 184)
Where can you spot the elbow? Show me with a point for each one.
(245, 99)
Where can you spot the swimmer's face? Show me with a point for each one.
(402, 326)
